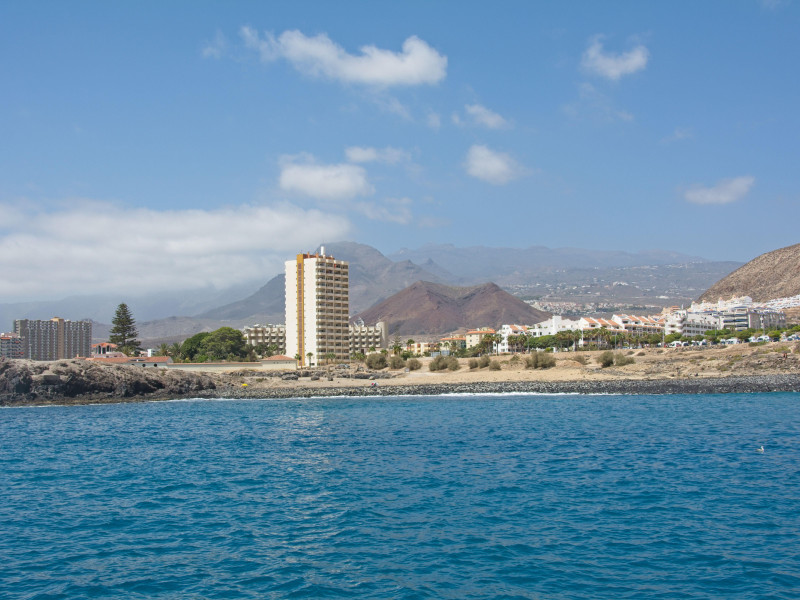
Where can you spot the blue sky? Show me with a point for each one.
(153, 145)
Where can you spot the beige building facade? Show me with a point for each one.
(317, 308)
(271, 335)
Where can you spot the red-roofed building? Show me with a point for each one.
(106, 349)
(475, 336)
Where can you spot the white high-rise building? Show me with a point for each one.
(317, 308)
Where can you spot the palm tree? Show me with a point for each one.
(309, 355)
(175, 351)
(163, 350)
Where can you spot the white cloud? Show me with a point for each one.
(324, 182)
(216, 47)
(87, 247)
(724, 192)
(393, 210)
(613, 66)
(595, 105)
(483, 116)
(434, 121)
(319, 56)
(386, 155)
(490, 166)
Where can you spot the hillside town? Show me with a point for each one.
(320, 330)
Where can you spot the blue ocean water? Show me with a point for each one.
(546, 497)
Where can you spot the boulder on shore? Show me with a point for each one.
(79, 381)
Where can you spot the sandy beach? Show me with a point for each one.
(772, 366)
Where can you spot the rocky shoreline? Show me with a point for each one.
(28, 383)
(715, 385)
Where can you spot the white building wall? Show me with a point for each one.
(310, 312)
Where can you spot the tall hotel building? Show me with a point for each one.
(317, 308)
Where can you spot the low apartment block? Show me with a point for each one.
(10, 345)
(271, 335)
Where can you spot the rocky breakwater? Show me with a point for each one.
(25, 382)
(712, 385)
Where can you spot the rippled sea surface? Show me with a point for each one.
(449, 497)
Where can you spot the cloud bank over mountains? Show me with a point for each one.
(91, 247)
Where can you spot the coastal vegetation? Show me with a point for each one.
(376, 360)
(223, 344)
(609, 358)
(441, 363)
(540, 360)
(123, 331)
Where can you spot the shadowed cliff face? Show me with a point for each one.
(33, 382)
(772, 275)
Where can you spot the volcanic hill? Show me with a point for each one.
(433, 308)
(772, 275)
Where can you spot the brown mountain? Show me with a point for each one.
(433, 308)
(772, 275)
(373, 277)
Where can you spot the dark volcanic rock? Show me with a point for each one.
(70, 381)
(694, 385)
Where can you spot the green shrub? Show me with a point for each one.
(396, 362)
(413, 364)
(540, 360)
(621, 360)
(376, 361)
(606, 359)
(581, 358)
(484, 361)
(473, 363)
(494, 365)
(547, 360)
(440, 363)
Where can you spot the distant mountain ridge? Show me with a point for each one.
(372, 278)
(772, 275)
(512, 265)
(375, 277)
(432, 308)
